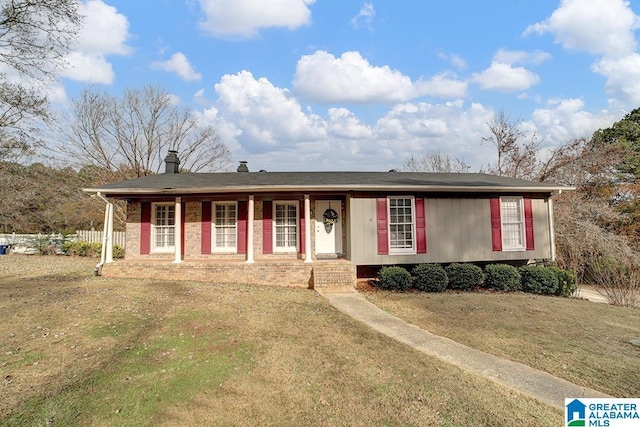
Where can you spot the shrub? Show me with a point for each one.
(567, 282)
(118, 251)
(394, 279)
(464, 277)
(502, 277)
(429, 277)
(538, 280)
(88, 249)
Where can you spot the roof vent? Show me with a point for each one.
(172, 162)
(242, 167)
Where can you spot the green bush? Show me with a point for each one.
(464, 277)
(567, 282)
(502, 277)
(118, 251)
(394, 279)
(538, 280)
(93, 250)
(429, 277)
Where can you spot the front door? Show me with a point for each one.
(328, 227)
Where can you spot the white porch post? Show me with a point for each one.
(552, 233)
(250, 231)
(109, 238)
(307, 229)
(178, 231)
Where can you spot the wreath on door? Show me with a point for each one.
(329, 218)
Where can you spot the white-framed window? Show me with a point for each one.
(512, 223)
(285, 226)
(402, 230)
(164, 227)
(224, 227)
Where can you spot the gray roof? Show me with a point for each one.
(262, 182)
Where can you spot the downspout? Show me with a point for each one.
(552, 234)
(108, 217)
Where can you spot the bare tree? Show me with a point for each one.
(435, 161)
(35, 37)
(129, 137)
(514, 158)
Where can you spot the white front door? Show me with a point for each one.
(328, 227)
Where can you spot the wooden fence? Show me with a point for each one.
(31, 243)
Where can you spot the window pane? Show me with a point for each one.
(225, 226)
(511, 216)
(286, 225)
(401, 223)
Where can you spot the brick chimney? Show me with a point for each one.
(242, 167)
(172, 162)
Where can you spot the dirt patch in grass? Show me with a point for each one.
(79, 350)
(583, 342)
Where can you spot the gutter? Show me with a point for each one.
(108, 218)
(121, 192)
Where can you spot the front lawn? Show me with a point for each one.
(82, 350)
(584, 342)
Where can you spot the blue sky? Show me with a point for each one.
(335, 85)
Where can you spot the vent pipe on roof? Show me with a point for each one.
(242, 167)
(172, 162)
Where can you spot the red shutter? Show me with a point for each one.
(421, 227)
(528, 224)
(383, 232)
(145, 228)
(496, 226)
(205, 223)
(302, 234)
(242, 226)
(267, 227)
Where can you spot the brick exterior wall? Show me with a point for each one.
(274, 269)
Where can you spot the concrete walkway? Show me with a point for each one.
(541, 385)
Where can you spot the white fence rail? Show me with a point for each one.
(94, 236)
(32, 243)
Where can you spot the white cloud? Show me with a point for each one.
(520, 57)
(105, 32)
(566, 120)
(244, 18)
(265, 125)
(623, 78)
(596, 26)
(322, 77)
(444, 85)
(365, 16)
(178, 64)
(505, 78)
(344, 124)
(266, 115)
(92, 68)
(455, 60)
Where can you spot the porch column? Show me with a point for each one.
(178, 231)
(552, 238)
(307, 229)
(250, 231)
(109, 238)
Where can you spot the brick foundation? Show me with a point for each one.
(294, 273)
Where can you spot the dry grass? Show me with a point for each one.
(584, 342)
(81, 350)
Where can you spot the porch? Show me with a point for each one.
(319, 274)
